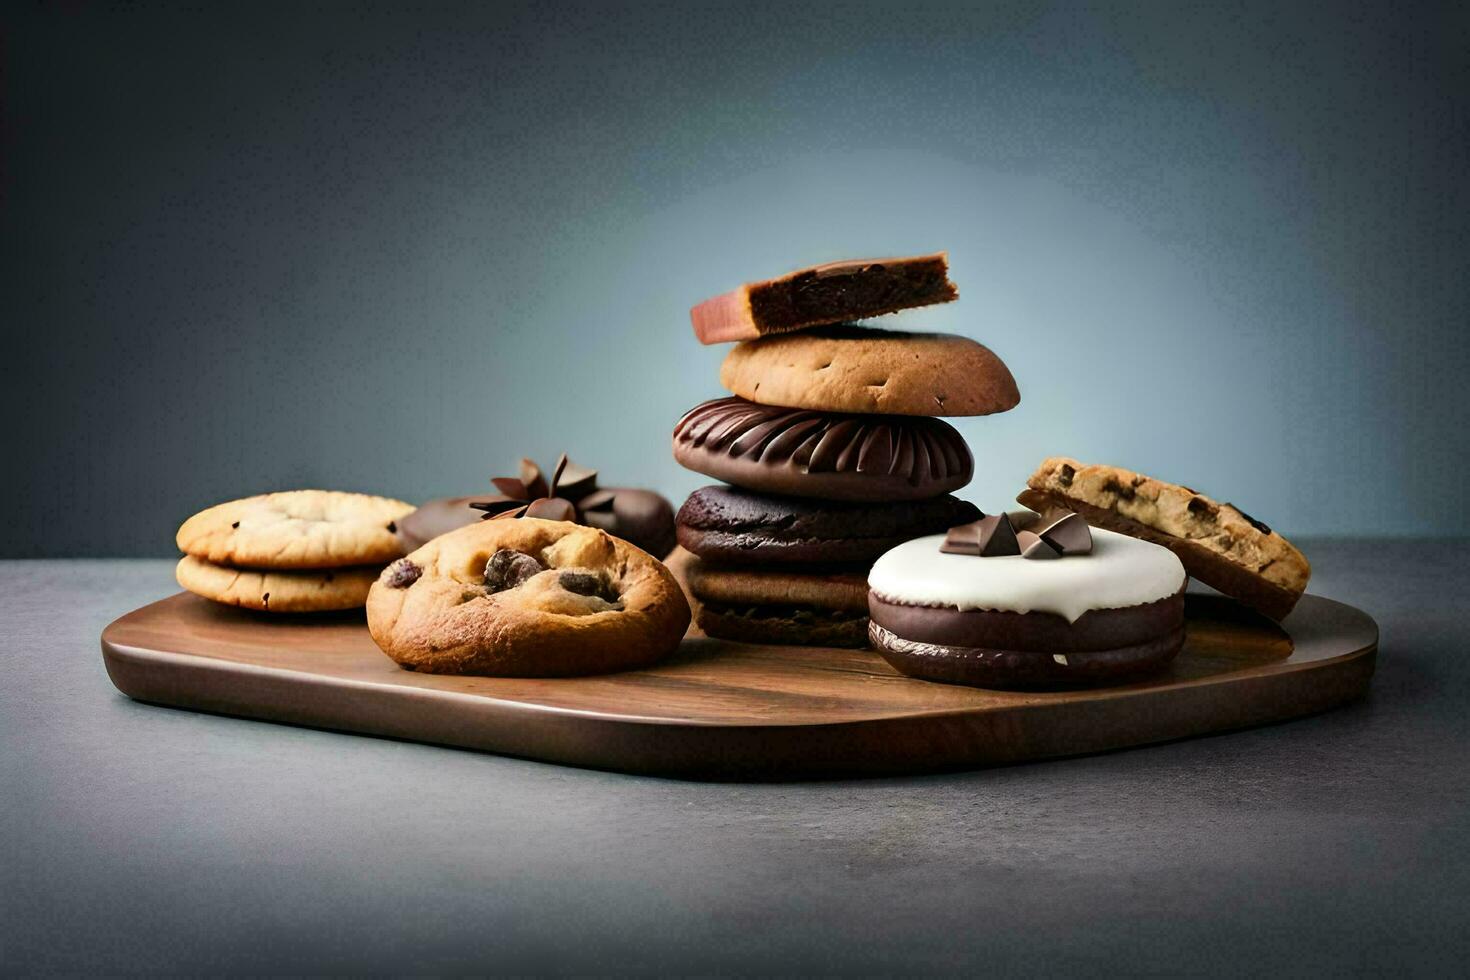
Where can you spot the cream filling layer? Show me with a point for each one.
(1120, 572)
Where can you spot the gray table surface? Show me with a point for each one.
(147, 839)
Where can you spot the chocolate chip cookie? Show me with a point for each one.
(296, 529)
(1218, 543)
(321, 590)
(526, 598)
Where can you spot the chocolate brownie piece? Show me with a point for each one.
(833, 293)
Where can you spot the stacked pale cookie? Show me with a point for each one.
(293, 552)
(832, 450)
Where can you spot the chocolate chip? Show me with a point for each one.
(508, 568)
(234, 525)
(403, 573)
(1259, 526)
(552, 509)
(392, 527)
(1065, 474)
(1199, 505)
(582, 583)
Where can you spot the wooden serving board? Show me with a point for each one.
(728, 709)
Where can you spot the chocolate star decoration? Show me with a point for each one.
(572, 489)
(1024, 533)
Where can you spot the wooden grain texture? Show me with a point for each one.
(720, 709)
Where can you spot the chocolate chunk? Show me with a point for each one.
(962, 540)
(552, 509)
(572, 481)
(598, 500)
(1258, 525)
(1199, 505)
(997, 537)
(508, 568)
(838, 292)
(1068, 534)
(403, 573)
(582, 583)
(392, 528)
(499, 507)
(990, 537)
(532, 480)
(1035, 546)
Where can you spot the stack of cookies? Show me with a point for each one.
(830, 448)
(292, 552)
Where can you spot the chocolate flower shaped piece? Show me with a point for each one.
(529, 495)
(1027, 534)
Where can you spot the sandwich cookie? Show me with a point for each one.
(833, 293)
(796, 606)
(729, 524)
(860, 369)
(1027, 602)
(825, 455)
(1218, 543)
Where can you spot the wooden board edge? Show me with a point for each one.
(873, 747)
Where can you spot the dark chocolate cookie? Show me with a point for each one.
(731, 524)
(826, 455)
(783, 625)
(1022, 669)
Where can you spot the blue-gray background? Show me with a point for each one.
(393, 249)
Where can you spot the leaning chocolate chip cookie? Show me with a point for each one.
(1219, 544)
(322, 590)
(527, 598)
(297, 529)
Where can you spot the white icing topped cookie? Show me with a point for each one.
(1120, 572)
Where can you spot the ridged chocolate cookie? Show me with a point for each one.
(826, 455)
(734, 525)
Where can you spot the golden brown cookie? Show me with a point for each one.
(527, 598)
(802, 607)
(860, 369)
(277, 592)
(1218, 544)
(297, 529)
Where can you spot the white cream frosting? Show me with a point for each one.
(1120, 572)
